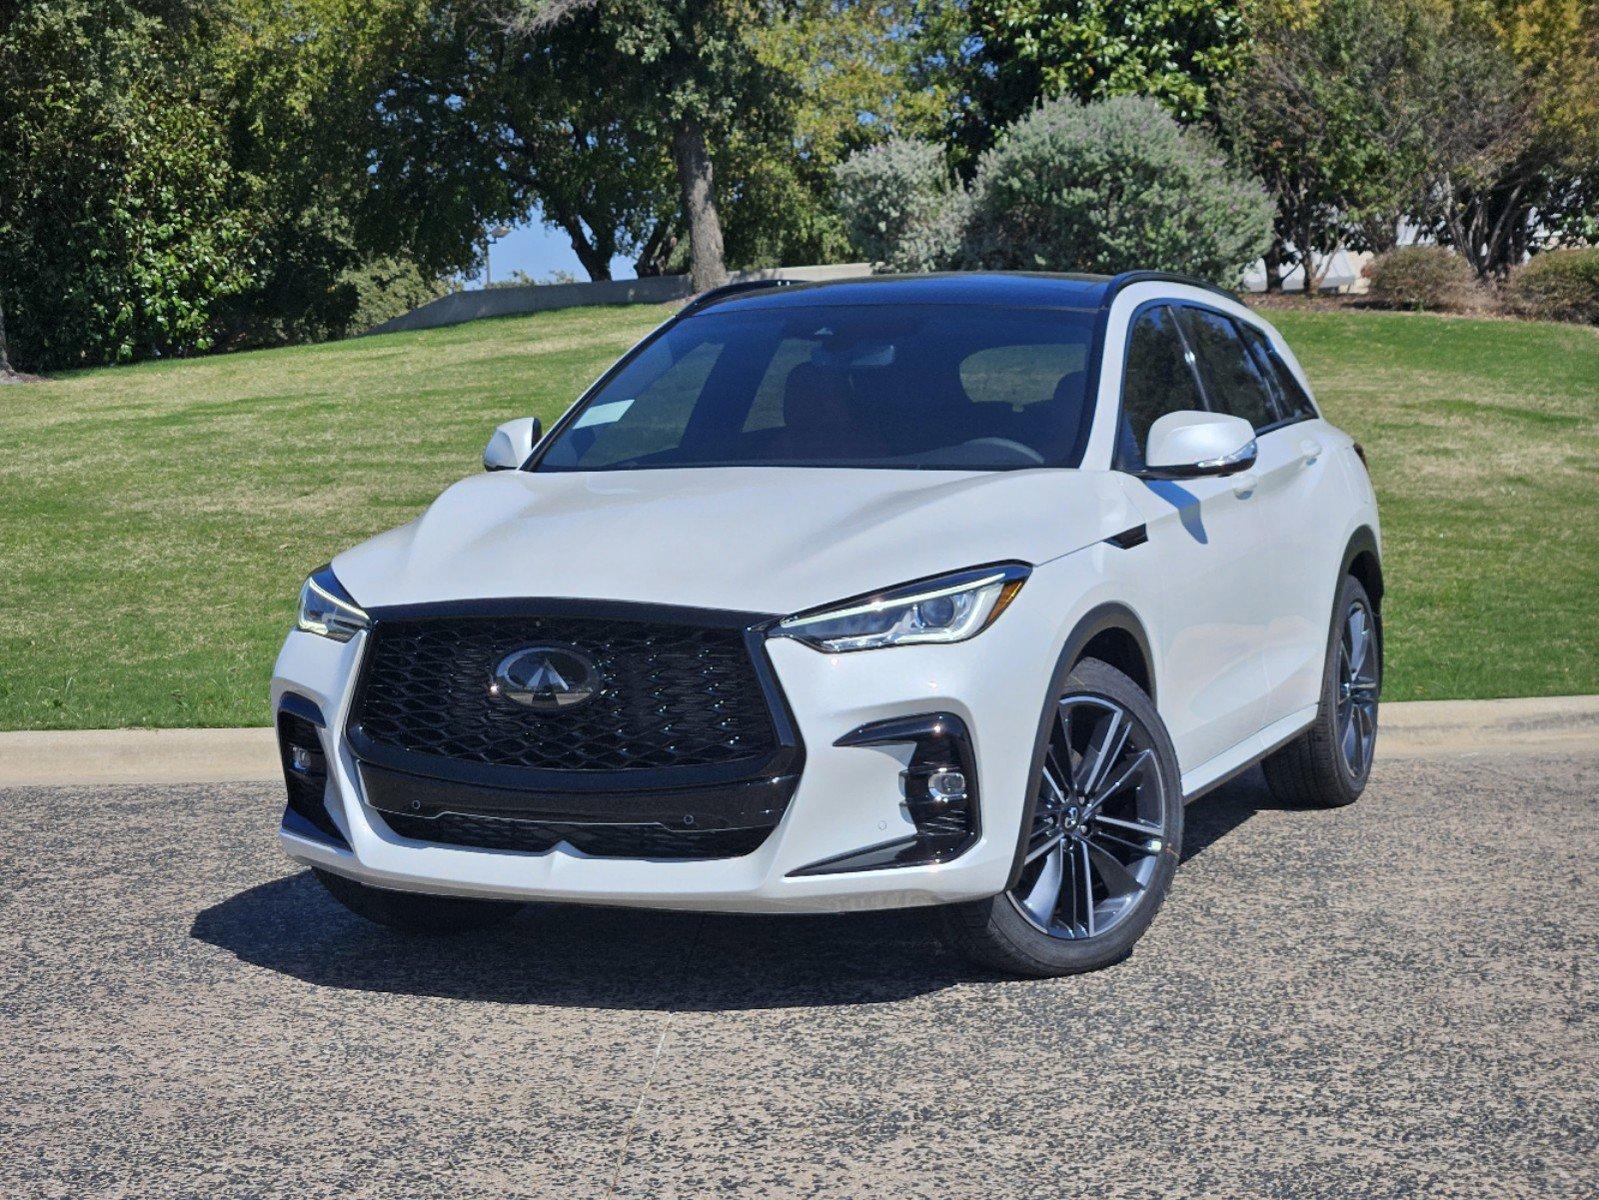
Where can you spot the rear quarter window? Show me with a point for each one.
(1291, 400)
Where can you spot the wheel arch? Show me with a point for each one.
(1110, 628)
(1363, 560)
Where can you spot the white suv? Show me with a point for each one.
(942, 591)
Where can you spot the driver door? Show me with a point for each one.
(1207, 536)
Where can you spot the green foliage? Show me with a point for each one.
(376, 291)
(1319, 115)
(1558, 285)
(1006, 55)
(295, 86)
(180, 177)
(119, 232)
(1113, 186)
(901, 207)
(1425, 278)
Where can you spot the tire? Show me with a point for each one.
(1022, 931)
(1315, 770)
(413, 912)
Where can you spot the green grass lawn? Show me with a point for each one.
(155, 521)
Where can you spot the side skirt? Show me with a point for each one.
(1233, 762)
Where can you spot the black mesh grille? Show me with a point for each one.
(670, 696)
(604, 841)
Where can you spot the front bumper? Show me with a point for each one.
(848, 798)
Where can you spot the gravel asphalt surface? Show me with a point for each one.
(1395, 999)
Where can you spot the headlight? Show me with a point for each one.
(950, 608)
(327, 609)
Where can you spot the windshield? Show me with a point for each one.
(914, 386)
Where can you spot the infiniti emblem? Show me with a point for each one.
(546, 678)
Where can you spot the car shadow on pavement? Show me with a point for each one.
(587, 957)
(1215, 815)
(612, 958)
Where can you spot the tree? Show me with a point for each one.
(478, 122)
(1113, 186)
(1512, 92)
(1007, 55)
(120, 229)
(1322, 113)
(7, 371)
(686, 63)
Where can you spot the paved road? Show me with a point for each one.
(1397, 999)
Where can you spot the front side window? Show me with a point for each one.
(1232, 380)
(1159, 379)
(909, 386)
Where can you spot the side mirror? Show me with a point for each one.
(1188, 444)
(511, 444)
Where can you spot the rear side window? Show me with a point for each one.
(1233, 381)
(1292, 402)
(1158, 380)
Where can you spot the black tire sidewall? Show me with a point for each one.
(1338, 770)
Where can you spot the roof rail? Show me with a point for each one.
(1126, 278)
(717, 294)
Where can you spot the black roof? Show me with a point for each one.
(1007, 289)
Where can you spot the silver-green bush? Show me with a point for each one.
(1112, 186)
(900, 206)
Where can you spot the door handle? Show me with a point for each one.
(1309, 451)
(1244, 485)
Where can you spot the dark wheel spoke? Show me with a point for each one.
(1358, 683)
(1061, 756)
(1043, 845)
(1143, 827)
(1101, 836)
(1359, 640)
(1109, 740)
(1350, 740)
(1044, 895)
(1085, 870)
(1134, 769)
(1113, 873)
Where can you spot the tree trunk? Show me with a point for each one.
(1274, 265)
(596, 259)
(5, 350)
(657, 251)
(694, 180)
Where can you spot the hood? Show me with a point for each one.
(769, 539)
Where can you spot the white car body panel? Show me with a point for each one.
(769, 539)
(1233, 592)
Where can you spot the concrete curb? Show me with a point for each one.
(1420, 729)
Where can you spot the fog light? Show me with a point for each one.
(305, 771)
(939, 781)
(948, 785)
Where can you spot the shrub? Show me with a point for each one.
(1425, 278)
(900, 206)
(1558, 285)
(1113, 186)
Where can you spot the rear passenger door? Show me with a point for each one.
(1207, 538)
(1296, 494)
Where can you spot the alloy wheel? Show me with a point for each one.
(1099, 822)
(1357, 690)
